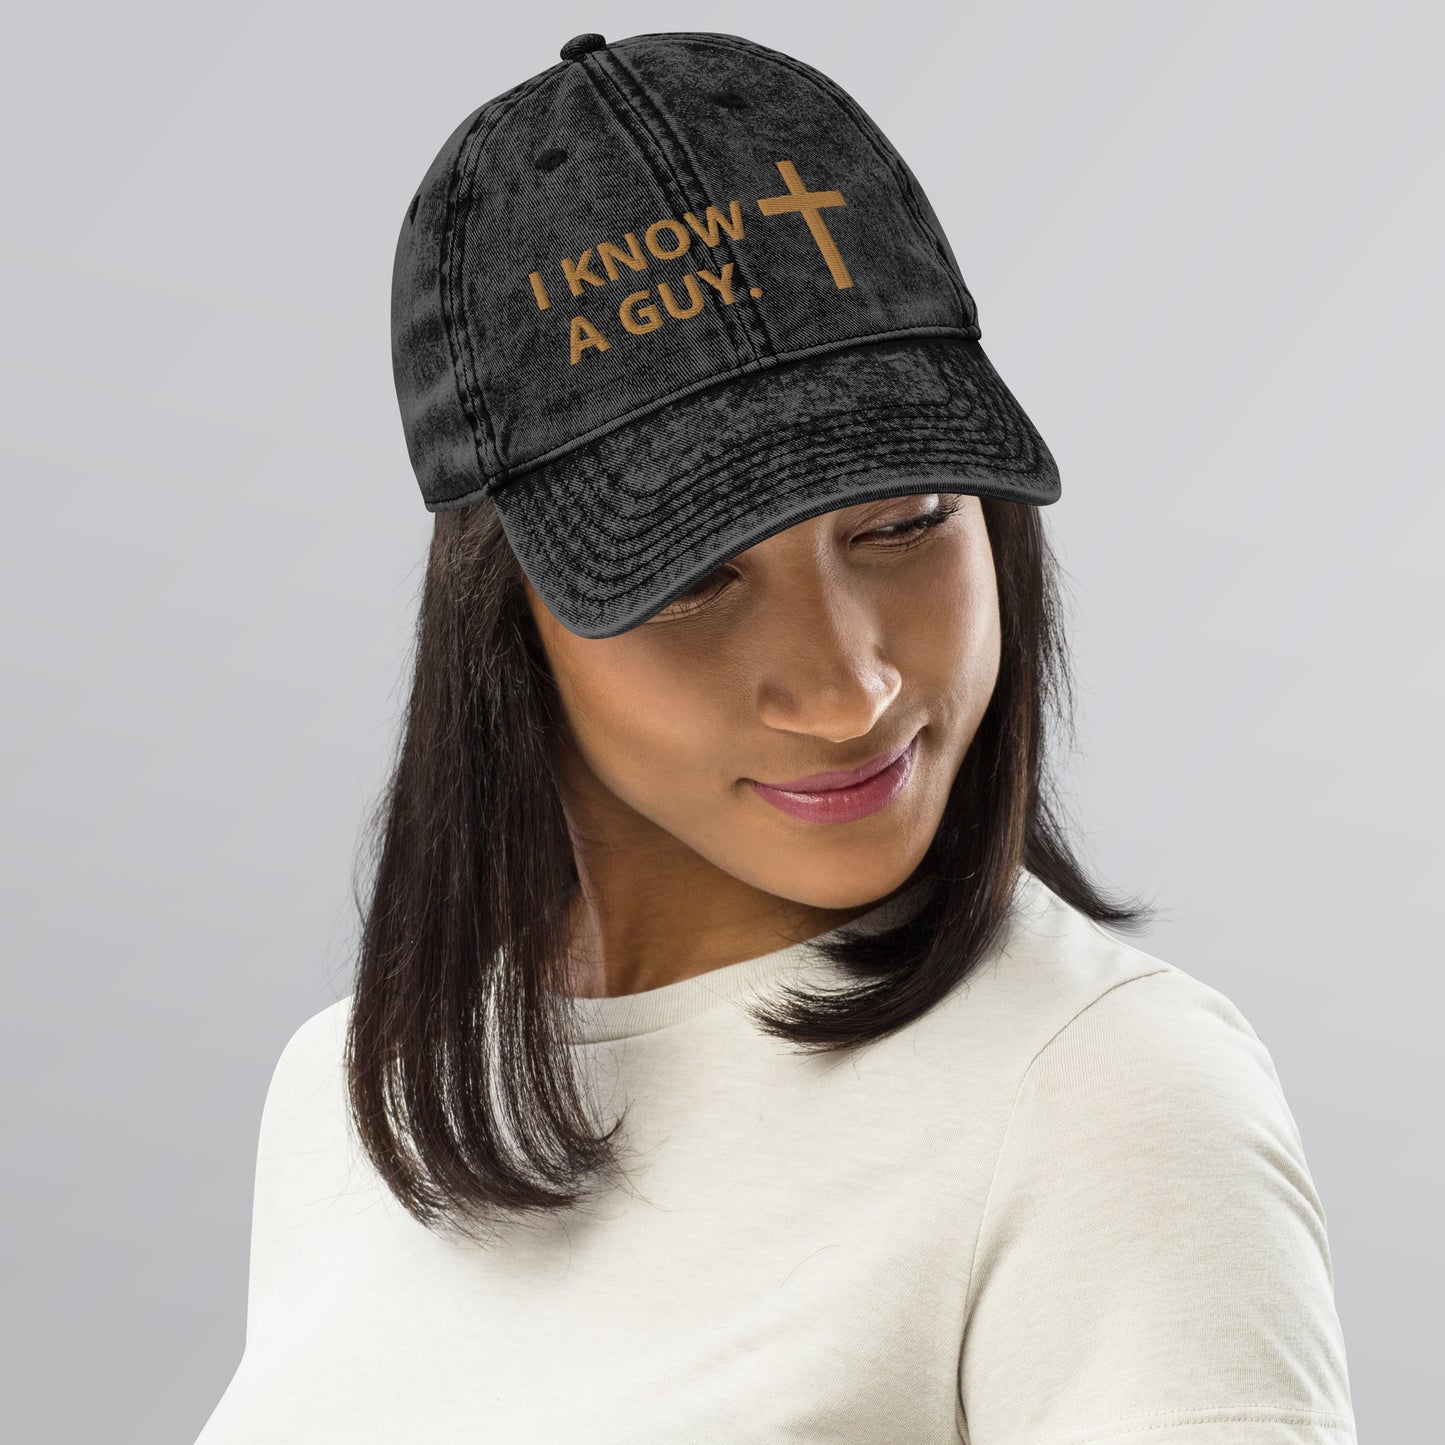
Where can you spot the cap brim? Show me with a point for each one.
(615, 530)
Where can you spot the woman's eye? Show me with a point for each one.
(916, 524)
(908, 528)
(948, 506)
(696, 590)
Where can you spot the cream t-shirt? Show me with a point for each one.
(1069, 1206)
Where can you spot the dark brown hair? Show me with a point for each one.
(461, 1085)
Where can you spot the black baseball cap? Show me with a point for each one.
(675, 294)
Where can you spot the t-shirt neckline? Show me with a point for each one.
(599, 1020)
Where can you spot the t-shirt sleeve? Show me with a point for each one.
(300, 1163)
(296, 1161)
(1152, 1263)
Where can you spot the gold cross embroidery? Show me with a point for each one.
(809, 204)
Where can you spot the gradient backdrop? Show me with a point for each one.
(1204, 240)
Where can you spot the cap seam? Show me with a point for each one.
(666, 178)
(719, 520)
(520, 469)
(872, 134)
(847, 422)
(842, 433)
(445, 266)
(473, 401)
(1003, 1141)
(736, 320)
(837, 428)
(981, 487)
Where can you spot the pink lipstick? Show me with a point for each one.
(844, 797)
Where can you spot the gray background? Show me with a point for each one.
(1204, 240)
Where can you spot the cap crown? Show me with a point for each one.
(638, 222)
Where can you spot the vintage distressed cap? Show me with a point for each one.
(676, 294)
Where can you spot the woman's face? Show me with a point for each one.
(818, 649)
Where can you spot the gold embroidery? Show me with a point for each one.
(694, 292)
(632, 257)
(723, 284)
(678, 229)
(637, 313)
(636, 317)
(584, 335)
(809, 203)
(715, 223)
(575, 270)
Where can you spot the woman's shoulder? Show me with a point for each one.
(1126, 1068)
(1148, 1170)
(304, 1077)
(318, 1034)
(1057, 972)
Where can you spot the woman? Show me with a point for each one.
(735, 1052)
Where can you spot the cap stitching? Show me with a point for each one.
(977, 486)
(445, 265)
(666, 178)
(845, 427)
(499, 480)
(474, 404)
(839, 440)
(483, 435)
(848, 425)
(736, 319)
(839, 430)
(604, 609)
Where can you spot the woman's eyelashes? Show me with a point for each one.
(912, 530)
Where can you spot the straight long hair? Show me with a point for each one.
(461, 1086)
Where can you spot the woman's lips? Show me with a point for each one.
(822, 782)
(845, 804)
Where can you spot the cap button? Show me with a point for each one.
(580, 45)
